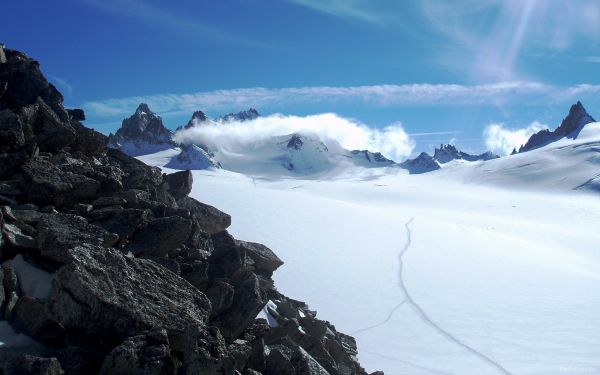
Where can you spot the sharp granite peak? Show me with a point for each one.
(143, 132)
(569, 128)
(110, 267)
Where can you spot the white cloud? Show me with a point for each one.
(503, 140)
(376, 95)
(236, 137)
(493, 34)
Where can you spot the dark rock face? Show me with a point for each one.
(108, 296)
(146, 280)
(250, 114)
(569, 127)
(421, 164)
(447, 153)
(373, 157)
(27, 364)
(180, 183)
(198, 117)
(295, 142)
(147, 354)
(144, 130)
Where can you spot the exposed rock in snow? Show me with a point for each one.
(569, 127)
(197, 118)
(247, 115)
(375, 158)
(144, 279)
(193, 157)
(421, 164)
(142, 133)
(447, 153)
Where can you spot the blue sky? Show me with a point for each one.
(446, 70)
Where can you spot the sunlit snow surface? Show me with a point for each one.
(502, 268)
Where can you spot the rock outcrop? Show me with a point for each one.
(126, 274)
(447, 153)
(421, 164)
(569, 127)
(142, 133)
(250, 114)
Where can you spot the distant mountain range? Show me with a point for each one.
(298, 153)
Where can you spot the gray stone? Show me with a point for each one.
(264, 258)
(161, 236)
(30, 317)
(247, 302)
(220, 295)
(30, 365)
(147, 354)
(206, 353)
(16, 238)
(180, 183)
(57, 234)
(103, 294)
(210, 219)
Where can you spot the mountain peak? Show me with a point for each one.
(142, 131)
(197, 116)
(448, 152)
(249, 114)
(143, 108)
(421, 164)
(569, 127)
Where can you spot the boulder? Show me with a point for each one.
(59, 233)
(161, 236)
(104, 294)
(45, 182)
(28, 364)
(125, 222)
(210, 219)
(147, 354)
(264, 258)
(248, 300)
(180, 183)
(29, 316)
(220, 295)
(16, 238)
(206, 353)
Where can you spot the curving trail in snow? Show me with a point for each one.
(387, 319)
(426, 319)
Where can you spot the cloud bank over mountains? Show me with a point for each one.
(502, 140)
(237, 137)
(495, 94)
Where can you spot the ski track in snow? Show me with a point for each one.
(426, 319)
(387, 319)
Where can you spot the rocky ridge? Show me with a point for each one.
(108, 267)
(141, 133)
(447, 153)
(569, 127)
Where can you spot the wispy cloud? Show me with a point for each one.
(495, 33)
(592, 59)
(374, 12)
(502, 140)
(497, 94)
(143, 10)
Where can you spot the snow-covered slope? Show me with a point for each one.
(452, 272)
(287, 155)
(561, 165)
(192, 157)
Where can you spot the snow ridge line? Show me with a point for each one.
(426, 319)
(387, 319)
